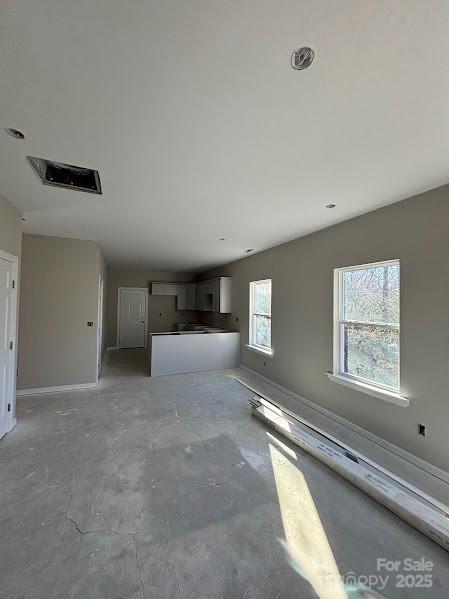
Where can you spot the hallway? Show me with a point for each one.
(167, 487)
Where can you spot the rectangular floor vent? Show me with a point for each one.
(68, 176)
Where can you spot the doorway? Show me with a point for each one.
(132, 317)
(8, 334)
(100, 326)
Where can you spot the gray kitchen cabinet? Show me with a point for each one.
(164, 288)
(181, 301)
(200, 297)
(214, 295)
(171, 288)
(186, 296)
(158, 288)
(190, 296)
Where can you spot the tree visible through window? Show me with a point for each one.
(260, 314)
(367, 323)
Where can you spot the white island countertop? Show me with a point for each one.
(193, 351)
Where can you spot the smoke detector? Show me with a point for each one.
(302, 58)
(59, 174)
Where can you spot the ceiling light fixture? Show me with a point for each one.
(249, 251)
(302, 58)
(222, 239)
(331, 205)
(15, 133)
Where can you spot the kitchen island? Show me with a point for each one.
(192, 351)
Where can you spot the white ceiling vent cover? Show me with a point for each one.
(68, 176)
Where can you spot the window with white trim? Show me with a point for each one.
(260, 315)
(366, 324)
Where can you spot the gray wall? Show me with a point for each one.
(416, 231)
(162, 313)
(10, 228)
(59, 295)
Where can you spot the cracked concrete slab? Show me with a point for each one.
(166, 488)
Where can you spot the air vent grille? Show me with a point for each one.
(68, 176)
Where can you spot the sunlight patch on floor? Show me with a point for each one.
(306, 541)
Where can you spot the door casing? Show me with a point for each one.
(100, 324)
(119, 293)
(11, 420)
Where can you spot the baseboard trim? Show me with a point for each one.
(60, 389)
(398, 451)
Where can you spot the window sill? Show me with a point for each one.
(264, 352)
(389, 396)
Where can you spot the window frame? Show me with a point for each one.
(340, 322)
(252, 318)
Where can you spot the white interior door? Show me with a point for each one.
(7, 345)
(132, 317)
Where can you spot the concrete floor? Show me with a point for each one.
(165, 488)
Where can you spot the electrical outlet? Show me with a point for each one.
(421, 430)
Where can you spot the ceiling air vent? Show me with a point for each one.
(68, 176)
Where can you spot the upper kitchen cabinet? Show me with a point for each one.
(208, 296)
(158, 288)
(186, 297)
(190, 296)
(164, 288)
(172, 288)
(214, 295)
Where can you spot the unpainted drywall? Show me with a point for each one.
(59, 295)
(416, 231)
(162, 313)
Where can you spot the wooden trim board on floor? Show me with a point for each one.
(60, 389)
(354, 430)
(425, 513)
(422, 515)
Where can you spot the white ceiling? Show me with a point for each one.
(201, 129)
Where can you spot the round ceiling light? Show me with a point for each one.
(302, 58)
(15, 133)
(331, 205)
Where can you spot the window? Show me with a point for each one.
(260, 315)
(366, 324)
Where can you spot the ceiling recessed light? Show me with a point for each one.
(249, 251)
(302, 58)
(222, 239)
(331, 205)
(15, 133)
